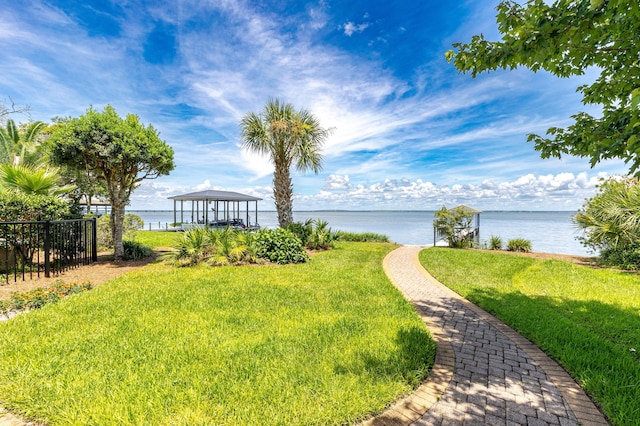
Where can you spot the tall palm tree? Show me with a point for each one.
(20, 145)
(289, 138)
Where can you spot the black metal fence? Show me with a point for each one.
(29, 249)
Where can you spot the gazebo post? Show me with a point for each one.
(174, 212)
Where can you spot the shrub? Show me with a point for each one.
(520, 245)
(279, 246)
(362, 237)
(322, 237)
(214, 246)
(17, 206)
(610, 221)
(134, 250)
(132, 223)
(230, 246)
(313, 234)
(627, 257)
(302, 230)
(495, 243)
(191, 249)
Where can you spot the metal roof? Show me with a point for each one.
(211, 195)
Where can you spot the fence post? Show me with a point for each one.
(47, 249)
(94, 240)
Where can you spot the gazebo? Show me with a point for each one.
(216, 208)
(470, 230)
(95, 206)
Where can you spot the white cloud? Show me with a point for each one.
(350, 28)
(336, 183)
(563, 191)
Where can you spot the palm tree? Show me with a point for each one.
(290, 138)
(17, 145)
(611, 219)
(32, 180)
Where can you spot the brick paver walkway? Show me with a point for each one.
(499, 377)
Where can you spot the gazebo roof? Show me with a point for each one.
(94, 202)
(211, 195)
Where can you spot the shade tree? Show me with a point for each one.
(567, 38)
(119, 152)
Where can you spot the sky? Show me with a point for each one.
(409, 132)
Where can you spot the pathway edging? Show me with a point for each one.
(410, 408)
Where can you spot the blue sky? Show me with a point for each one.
(410, 132)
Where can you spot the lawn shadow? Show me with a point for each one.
(412, 360)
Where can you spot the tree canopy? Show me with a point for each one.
(566, 38)
(121, 152)
(290, 138)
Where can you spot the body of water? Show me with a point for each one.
(550, 232)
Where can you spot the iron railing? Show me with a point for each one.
(29, 249)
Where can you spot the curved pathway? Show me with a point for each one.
(497, 377)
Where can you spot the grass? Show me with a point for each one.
(326, 342)
(587, 319)
(157, 239)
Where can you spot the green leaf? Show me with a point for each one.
(449, 55)
(635, 98)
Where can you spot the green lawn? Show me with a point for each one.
(326, 342)
(587, 319)
(157, 238)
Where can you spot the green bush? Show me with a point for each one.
(520, 245)
(322, 237)
(313, 234)
(132, 223)
(362, 237)
(495, 243)
(627, 257)
(302, 230)
(279, 246)
(611, 219)
(134, 250)
(17, 206)
(213, 246)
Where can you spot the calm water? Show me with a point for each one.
(551, 232)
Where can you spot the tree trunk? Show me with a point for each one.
(117, 220)
(283, 194)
